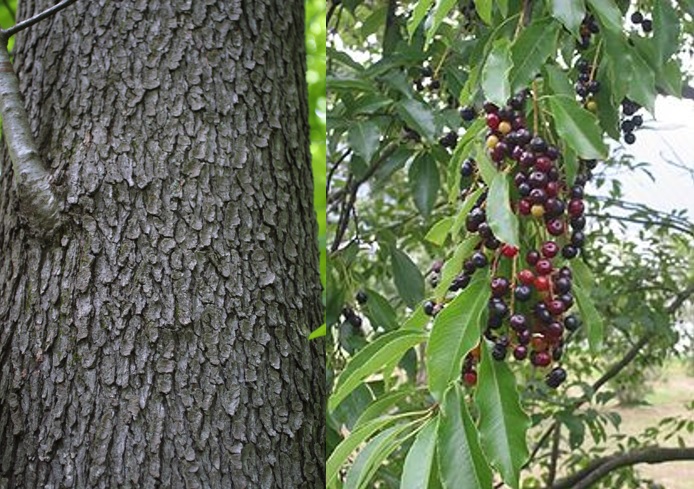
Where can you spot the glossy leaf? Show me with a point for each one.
(461, 461)
(439, 231)
(591, 319)
(608, 13)
(373, 454)
(501, 218)
(418, 13)
(418, 116)
(666, 31)
(381, 406)
(569, 12)
(559, 83)
(484, 10)
(380, 312)
(408, 279)
(455, 332)
(495, 74)
(318, 332)
(642, 86)
(354, 440)
(424, 183)
(503, 424)
(439, 12)
(364, 138)
(530, 51)
(578, 127)
(485, 166)
(371, 359)
(419, 461)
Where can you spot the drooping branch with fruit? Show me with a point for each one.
(499, 114)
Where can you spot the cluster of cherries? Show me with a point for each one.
(586, 86)
(528, 312)
(646, 24)
(589, 26)
(630, 120)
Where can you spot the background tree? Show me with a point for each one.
(407, 82)
(158, 337)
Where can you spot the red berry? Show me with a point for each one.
(549, 249)
(509, 251)
(524, 206)
(543, 164)
(539, 343)
(470, 377)
(541, 359)
(543, 267)
(576, 208)
(541, 283)
(493, 121)
(556, 307)
(552, 189)
(526, 277)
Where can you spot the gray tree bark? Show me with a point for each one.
(158, 339)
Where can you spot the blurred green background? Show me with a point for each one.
(315, 49)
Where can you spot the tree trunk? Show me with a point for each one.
(159, 339)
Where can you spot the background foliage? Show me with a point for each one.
(398, 415)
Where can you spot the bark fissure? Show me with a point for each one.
(161, 340)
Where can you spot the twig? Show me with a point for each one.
(598, 469)
(334, 168)
(556, 438)
(7, 33)
(664, 224)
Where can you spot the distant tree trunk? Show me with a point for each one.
(159, 338)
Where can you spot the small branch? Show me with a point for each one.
(7, 33)
(600, 468)
(554, 457)
(36, 197)
(670, 225)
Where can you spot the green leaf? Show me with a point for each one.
(671, 79)
(418, 14)
(485, 165)
(364, 138)
(424, 183)
(666, 31)
(380, 312)
(454, 264)
(381, 405)
(578, 127)
(417, 320)
(642, 86)
(569, 12)
(503, 424)
(570, 165)
(373, 454)
(408, 279)
(420, 458)
(418, 116)
(439, 231)
(461, 461)
(529, 52)
(495, 74)
(501, 218)
(455, 332)
(371, 359)
(608, 13)
(462, 151)
(439, 13)
(591, 319)
(484, 10)
(318, 332)
(559, 83)
(355, 439)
